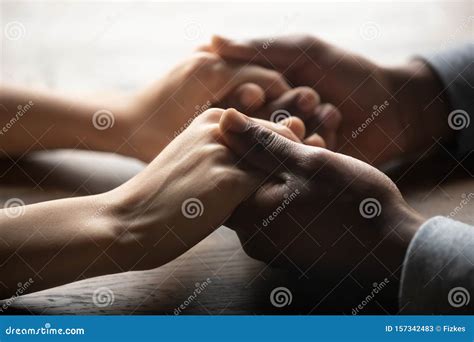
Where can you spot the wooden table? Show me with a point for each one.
(239, 285)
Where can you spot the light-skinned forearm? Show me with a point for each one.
(58, 242)
(35, 120)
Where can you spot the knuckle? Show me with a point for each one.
(218, 154)
(302, 40)
(314, 159)
(306, 39)
(262, 135)
(211, 115)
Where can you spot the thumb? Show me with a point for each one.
(259, 146)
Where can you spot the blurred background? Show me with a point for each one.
(102, 45)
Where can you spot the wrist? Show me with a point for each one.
(422, 104)
(138, 135)
(138, 222)
(123, 246)
(400, 224)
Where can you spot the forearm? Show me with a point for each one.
(33, 120)
(58, 242)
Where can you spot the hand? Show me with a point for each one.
(319, 211)
(157, 115)
(387, 113)
(184, 194)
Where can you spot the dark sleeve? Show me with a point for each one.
(438, 271)
(455, 68)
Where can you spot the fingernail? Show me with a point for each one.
(238, 121)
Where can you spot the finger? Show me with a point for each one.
(248, 97)
(292, 128)
(325, 122)
(205, 48)
(265, 51)
(300, 102)
(315, 140)
(259, 146)
(272, 82)
(296, 125)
